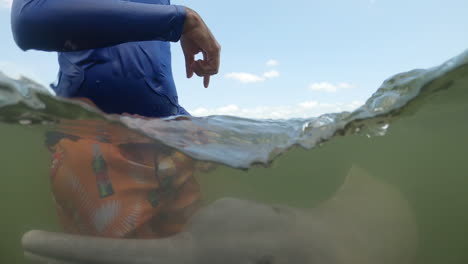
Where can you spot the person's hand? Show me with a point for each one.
(197, 38)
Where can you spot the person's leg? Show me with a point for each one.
(97, 191)
(130, 190)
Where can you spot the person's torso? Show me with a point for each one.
(148, 60)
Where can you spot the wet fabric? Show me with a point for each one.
(99, 41)
(121, 191)
(118, 95)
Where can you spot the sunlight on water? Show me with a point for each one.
(384, 184)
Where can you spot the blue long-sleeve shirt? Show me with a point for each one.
(125, 39)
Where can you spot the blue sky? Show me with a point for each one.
(295, 59)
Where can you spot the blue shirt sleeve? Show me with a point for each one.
(70, 25)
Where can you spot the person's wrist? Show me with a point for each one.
(192, 20)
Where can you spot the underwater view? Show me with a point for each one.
(386, 183)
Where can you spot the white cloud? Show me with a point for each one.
(245, 77)
(272, 63)
(329, 87)
(6, 3)
(344, 85)
(271, 74)
(310, 104)
(300, 110)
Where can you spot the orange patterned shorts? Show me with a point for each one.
(122, 191)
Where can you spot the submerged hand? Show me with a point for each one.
(197, 38)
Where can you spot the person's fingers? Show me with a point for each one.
(202, 68)
(206, 81)
(206, 58)
(206, 67)
(189, 60)
(213, 57)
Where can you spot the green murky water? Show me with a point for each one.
(423, 155)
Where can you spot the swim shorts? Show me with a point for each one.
(133, 190)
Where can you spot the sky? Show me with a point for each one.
(300, 59)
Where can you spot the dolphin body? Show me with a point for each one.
(365, 222)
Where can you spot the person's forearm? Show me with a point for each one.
(68, 25)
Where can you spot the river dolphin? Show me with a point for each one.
(365, 222)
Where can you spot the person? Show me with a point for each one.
(115, 55)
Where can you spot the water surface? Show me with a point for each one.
(385, 183)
